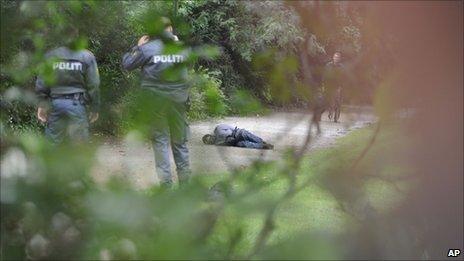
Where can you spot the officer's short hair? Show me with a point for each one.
(208, 139)
(155, 25)
(71, 32)
(166, 21)
(68, 36)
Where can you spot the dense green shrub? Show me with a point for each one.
(121, 111)
(18, 111)
(243, 103)
(243, 31)
(19, 116)
(206, 96)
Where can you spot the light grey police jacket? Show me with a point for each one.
(163, 72)
(74, 71)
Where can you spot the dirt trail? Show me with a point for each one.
(283, 129)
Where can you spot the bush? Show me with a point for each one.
(18, 111)
(122, 112)
(206, 96)
(245, 104)
(227, 25)
(20, 117)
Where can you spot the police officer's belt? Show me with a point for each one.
(74, 96)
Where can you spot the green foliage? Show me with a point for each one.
(280, 72)
(206, 96)
(331, 204)
(44, 25)
(227, 24)
(279, 32)
(243, 103)
(18, 111)
(19, 117)
(124, 110)
(51, 208)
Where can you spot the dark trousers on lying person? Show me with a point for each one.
(245, 139)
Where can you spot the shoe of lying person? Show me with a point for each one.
(268, 146)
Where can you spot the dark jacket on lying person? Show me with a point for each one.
(226, 135)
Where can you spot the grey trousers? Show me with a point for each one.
(161, 144)
(67, 121)
(171, 131)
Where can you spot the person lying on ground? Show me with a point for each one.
(226, 135)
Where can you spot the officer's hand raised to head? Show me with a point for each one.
(93, 117)
(42, 114)
(143, 40)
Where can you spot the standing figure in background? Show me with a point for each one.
(69, 91)
(161, 101)
(333, 81)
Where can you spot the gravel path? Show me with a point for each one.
(135, 159)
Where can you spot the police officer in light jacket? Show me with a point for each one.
(165, 93)
(69, 96)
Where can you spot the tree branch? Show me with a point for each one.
(293, 169)
(366, 149)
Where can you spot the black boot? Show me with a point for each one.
(268, 146)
